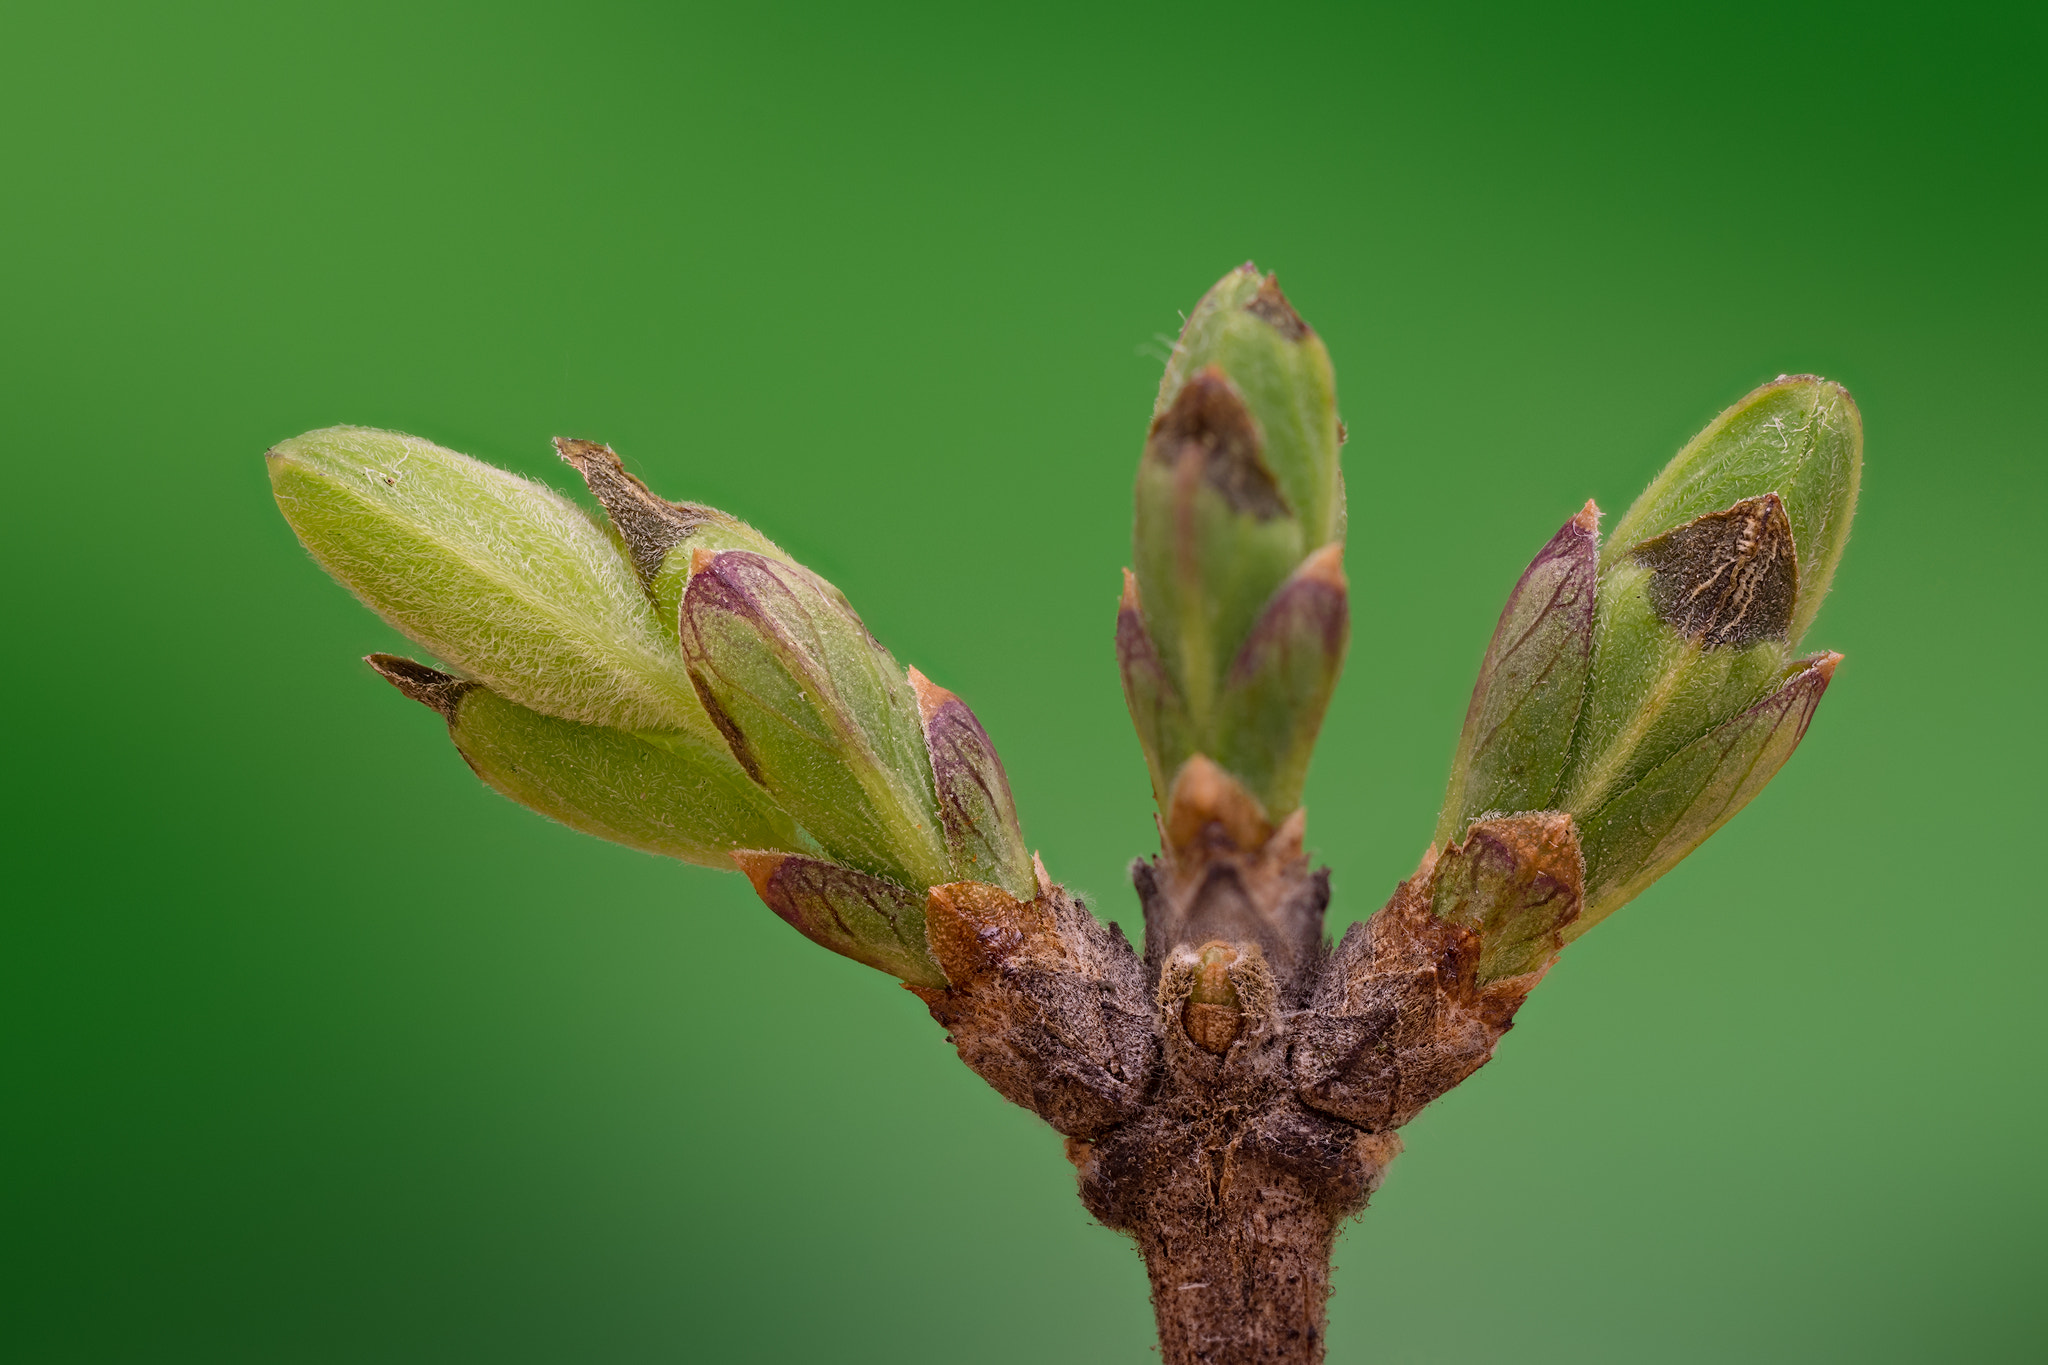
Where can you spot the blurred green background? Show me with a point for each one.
(315, 1050)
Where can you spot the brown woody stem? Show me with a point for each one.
(1231, 1187)
(1232, 1099)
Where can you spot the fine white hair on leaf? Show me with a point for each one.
(499, 577)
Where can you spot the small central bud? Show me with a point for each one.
(1213, 1017)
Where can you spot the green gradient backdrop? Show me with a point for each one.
(316, 1051)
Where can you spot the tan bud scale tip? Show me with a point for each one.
(1324, 566)
(930, 696)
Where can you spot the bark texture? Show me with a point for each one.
(1231, 1099)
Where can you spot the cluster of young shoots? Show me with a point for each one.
(666, 677)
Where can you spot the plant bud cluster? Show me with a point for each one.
(1648, 689)
(671, 681)
(1233, 622)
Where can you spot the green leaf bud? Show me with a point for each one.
(1709, 582)
(658, 536)
(1280, 683)
(1214, 537)
(983, 838)
(503, 579)
(815, 711)
(1228, 640)
(1800, 437)
(1245, 327)
(1518, 727)
(1643, 832)
(869, 919)
(674, 793)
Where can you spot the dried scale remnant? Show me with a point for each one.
(1416, 997)
(1726, 579)
(676, 683)
(1043, 1002)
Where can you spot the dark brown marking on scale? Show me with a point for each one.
(1272, 305)
(1210, 427)
(1726, 579)
(742, 752)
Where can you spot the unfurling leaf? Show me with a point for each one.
(505, 580)
(1280, 683)
(1213, 538)
(674, 793)
(1245, 328)
(815, 710)
(1518, 727)
(1708, 583)
(1800, 437)
(1651, 703)
(1643, 832)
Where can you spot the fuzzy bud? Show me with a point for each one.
(1233, 625)
(1644, 690)
(1710, 581)
(674, 793)
(505, 580)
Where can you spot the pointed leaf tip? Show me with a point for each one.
(1517, 738)
(650, 526)
(430, 687)
(930, 696)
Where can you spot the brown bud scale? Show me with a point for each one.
(1727, 579)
